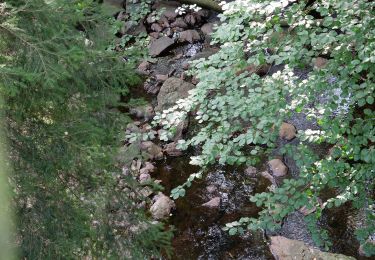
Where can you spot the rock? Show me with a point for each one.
(146, 112)
(283, 248)
(146, 192)
(162, 207)
(172, 90)
(278, 168)
(160, 45)
(320, 62)
(161, 77)
(154, 35)
(136, 165)
(269, 177)
(179, 23)
(251, 171)
(132, 28)
(144, 177)
(211, 189)
(163, 21)
(169, 8)
(147, 169)
(144, 67)
(171, 150)
(207, 28)
(190, 36)
(287, 131)
(132, 128)
(151, 87)
(153, 150)
(190, 19)
(156, 27)
(213, 203)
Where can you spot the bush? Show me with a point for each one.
(239, 104)
(60, 88)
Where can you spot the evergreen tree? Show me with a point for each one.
(59, 85)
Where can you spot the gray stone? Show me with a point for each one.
(162, 207)
(154, 151)
(287, 131)
(172, 90)
(213, 203)
(283, 248)
(207, 28)
(172, 150)
(278, 168)
(190, 36)
(160, 45)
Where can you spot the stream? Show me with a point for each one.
(198, 229)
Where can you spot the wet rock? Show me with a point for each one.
(320, 62)
(180, 129)
(211, 188)
(190, 36)
(144, 67)
(172, 150)
(145, 112)
(160, 45)
(286, 249)
(147, 169)
(151, 87)
(161, 77)
(144, 177)
(251, 171)
(213, 203)
(163, 21)
(154, 151)
(269, 177)
(179, 23)
(190, 19)
(162, 207)
(156, 27)
(278, 168)
(172, 90)
(287, 131)
(154, 35)
(207, 28)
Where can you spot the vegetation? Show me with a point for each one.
(239, 104)
(60, 87)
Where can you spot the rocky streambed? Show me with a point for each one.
(222, 195)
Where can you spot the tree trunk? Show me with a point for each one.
(208, 4)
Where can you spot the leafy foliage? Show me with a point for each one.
(251, 85)
(60, 88)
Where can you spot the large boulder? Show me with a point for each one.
(190, 36)
(160, 45)
(283, 248)
(162, 207)
(172, 90)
